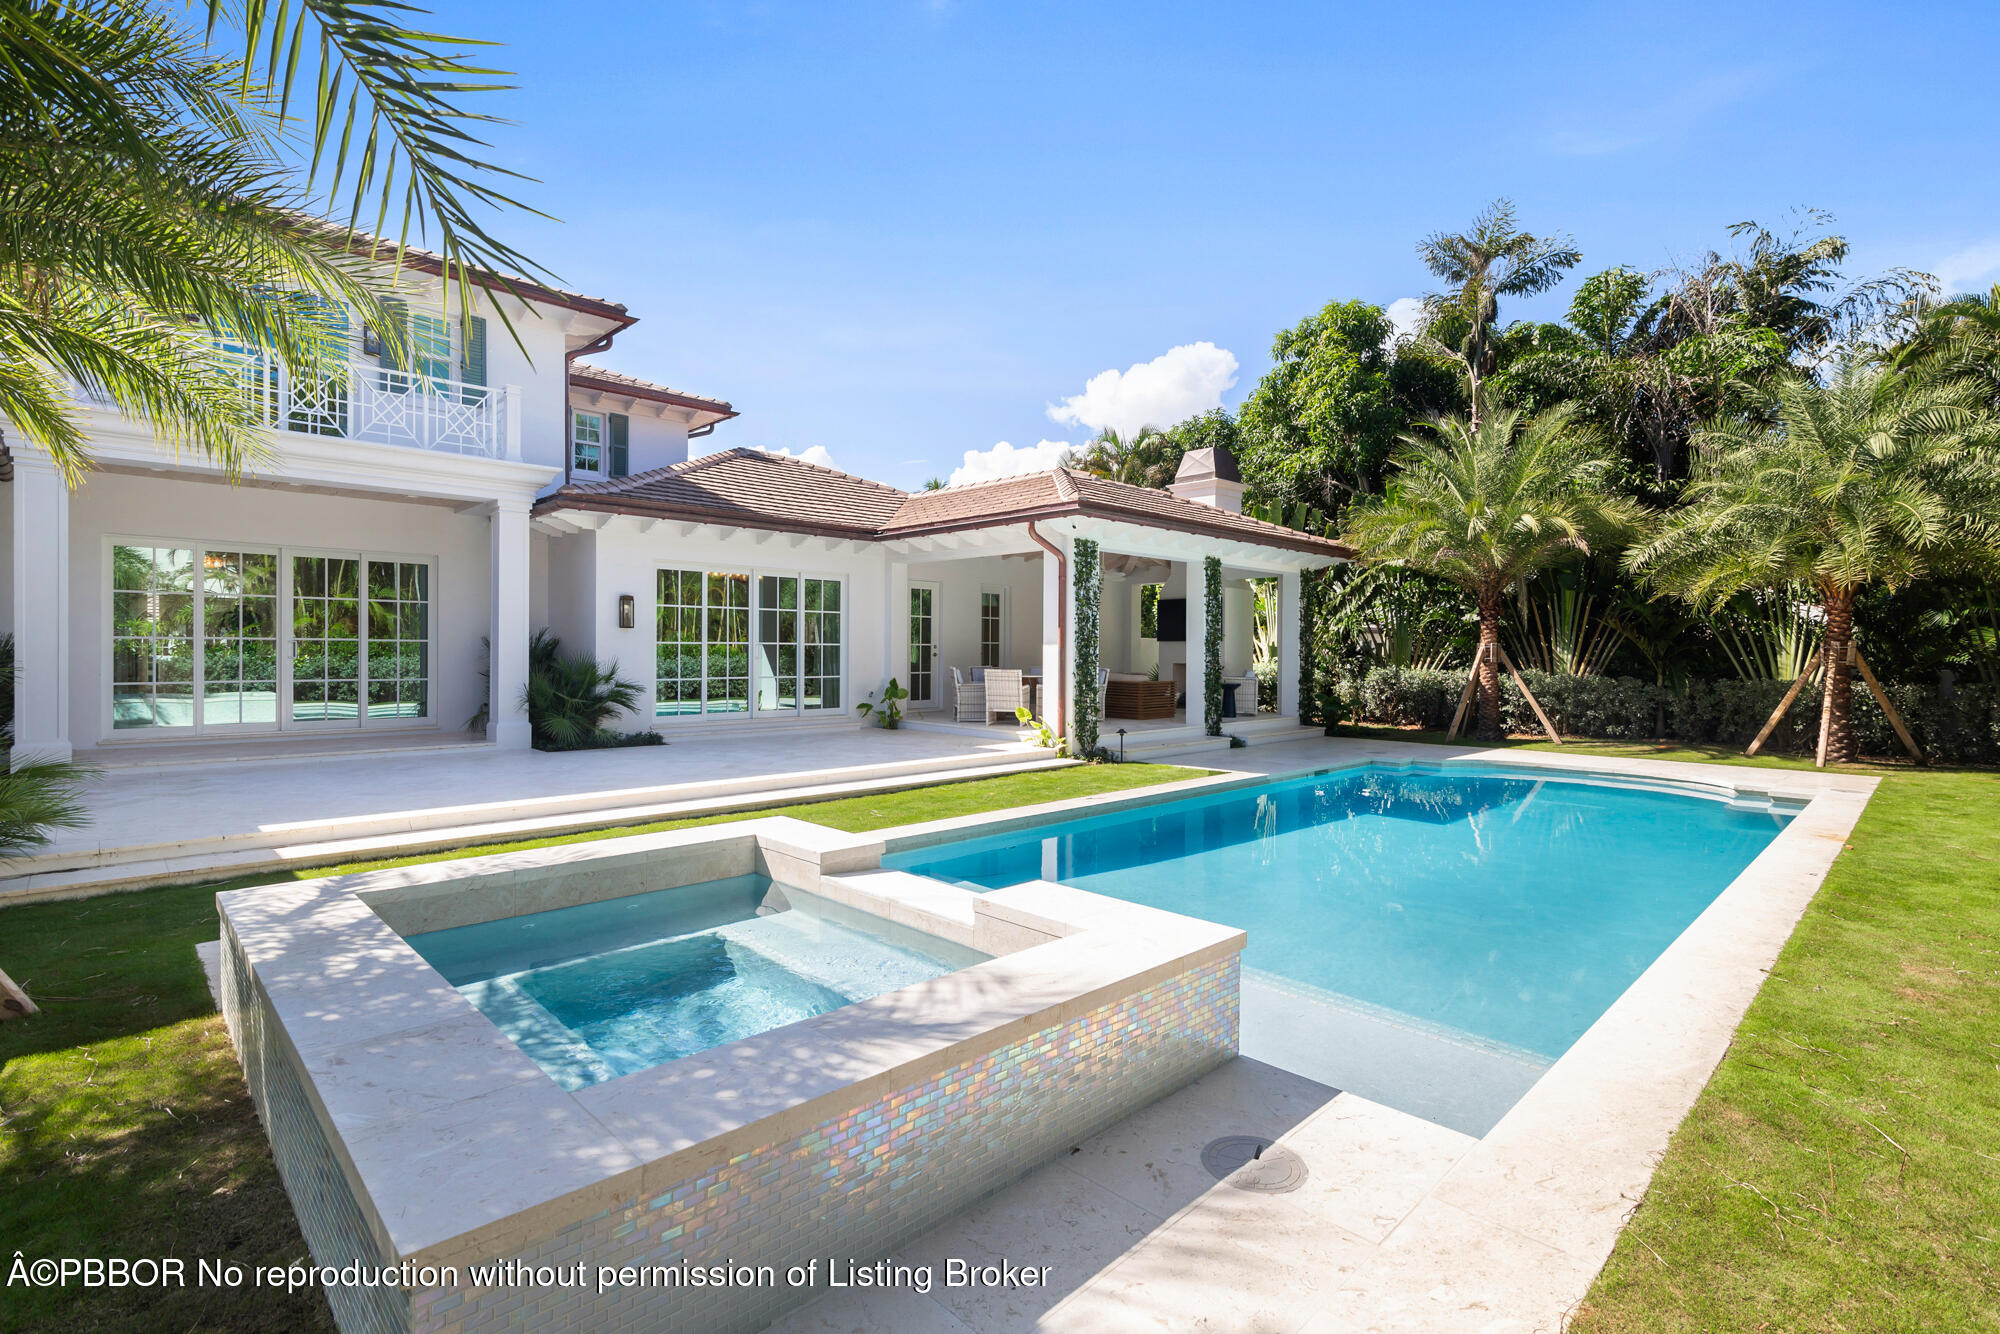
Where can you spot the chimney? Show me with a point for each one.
(1209, 477)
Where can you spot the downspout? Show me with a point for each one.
(595, 345)
(1062, 628)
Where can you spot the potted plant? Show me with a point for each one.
(887, 712)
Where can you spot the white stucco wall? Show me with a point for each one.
(960, 583)
(656, 439)
(589, 571)
(172, 511)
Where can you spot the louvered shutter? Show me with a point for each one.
(472, 356)
(621, 450)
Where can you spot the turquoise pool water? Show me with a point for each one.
(606, 989)
(1504, 908)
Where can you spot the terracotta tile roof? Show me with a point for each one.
(757, 490)
(617, 382)
(746, 487)
(429, 261)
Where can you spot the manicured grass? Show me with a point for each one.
(1841, 1171)
(125, 1128)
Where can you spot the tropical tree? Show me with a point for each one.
(1485, 506)
(1322, 423)
(1494, 258)
(1140, 458)
(1959, 339)
(1646, 382)
(152, 234)
(1868, 480)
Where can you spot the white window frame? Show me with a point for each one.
(1006, 648)
(929, 700)
(285, 724)
(576, 416)
(756, 574)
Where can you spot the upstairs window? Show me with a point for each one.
(587, 442)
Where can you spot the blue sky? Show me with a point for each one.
(904, 231)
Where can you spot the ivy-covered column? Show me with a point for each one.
(1087, 596)
(1211, 644)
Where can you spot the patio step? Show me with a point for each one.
(71, 872)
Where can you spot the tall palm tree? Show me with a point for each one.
(148, 214)
(1485, 506)
(1869, 479)
(1494, 258)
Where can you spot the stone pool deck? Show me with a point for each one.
(1399, 1224)
(181, 814)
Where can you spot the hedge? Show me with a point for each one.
(1959, 723)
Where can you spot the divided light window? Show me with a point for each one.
(206, 637)
(587, 442)
(992, 617)
(703, 654)
(710, 661)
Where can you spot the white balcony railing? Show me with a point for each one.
(389, 407)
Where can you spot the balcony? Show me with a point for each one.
(363, 401)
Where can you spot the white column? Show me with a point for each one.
(1197, 642)
(41, 609)
(1055, 604)
(510, 407)
(507, 653)
(1291, 608)
(896, 631)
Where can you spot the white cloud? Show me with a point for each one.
(1004, 460)
(810, 454)
(1964, 270)
(1407, 314)
(1172, 387)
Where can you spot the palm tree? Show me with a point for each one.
(1486, 506)
(1491, 260)
(148, 218)
(1139, 459)
(1869, 479)
(1958, 338)
(571, 696)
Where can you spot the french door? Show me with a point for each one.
(923, 644)
(360, 641)
(799, 644)
(199, 643)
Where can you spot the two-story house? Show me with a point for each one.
(406, 518)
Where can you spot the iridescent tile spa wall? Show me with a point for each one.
(860, 1180)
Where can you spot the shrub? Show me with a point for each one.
(570, 697)
(1958, 723)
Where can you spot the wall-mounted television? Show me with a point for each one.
(1173, 620)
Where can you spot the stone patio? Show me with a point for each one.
(1399, 1224)
(189, 816)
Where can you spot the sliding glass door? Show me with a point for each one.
(722, 650)
(199, 644)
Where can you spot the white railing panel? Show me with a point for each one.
(383, 406)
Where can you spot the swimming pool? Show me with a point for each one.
(1471, 921)
(604, 989)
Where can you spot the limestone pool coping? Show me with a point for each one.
(1502, 1232)
(461, 1148)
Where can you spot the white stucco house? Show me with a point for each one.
(406, 517)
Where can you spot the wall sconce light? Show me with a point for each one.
(628, 611)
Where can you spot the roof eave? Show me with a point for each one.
(639, 508)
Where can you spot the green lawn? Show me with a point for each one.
(125, 1129)
(1841, 1171)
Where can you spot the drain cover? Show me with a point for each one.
(1248, 1162)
